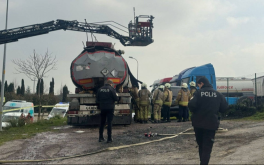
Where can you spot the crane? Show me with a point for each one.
(140, 33)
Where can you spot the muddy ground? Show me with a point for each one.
(242, 144)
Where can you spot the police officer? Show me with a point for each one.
(167, 103)
(182, 99)
(106, 97)
(157, 100)
(205, 106)
(134, 94)
(144, 95)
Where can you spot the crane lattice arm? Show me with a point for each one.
(140, 34)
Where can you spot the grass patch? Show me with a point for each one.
(29, 130)
(256, 116)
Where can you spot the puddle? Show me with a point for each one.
(63, 127)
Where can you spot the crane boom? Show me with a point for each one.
(140, 34)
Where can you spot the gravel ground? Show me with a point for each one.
(242, 144)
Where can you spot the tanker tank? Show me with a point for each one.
(99, 62)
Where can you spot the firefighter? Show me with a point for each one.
(205, 105)
(182, 100)
(167, 103)
(134, 94)
(106, 97)
(192, 90)
(157, 100)
(144, 95)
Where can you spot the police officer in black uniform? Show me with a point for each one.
(106, 97)
(205, 105)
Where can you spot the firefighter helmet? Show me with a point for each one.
(184, 85)
(143, 85)
(161, 87)
(192, 83)
(167, 85)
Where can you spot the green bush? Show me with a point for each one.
(238, 111)
(13, 122)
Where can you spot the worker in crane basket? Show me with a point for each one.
(157, 100)
(135, 98)
(144, 95)
(182, 100)
(167, 103)
(106, 97)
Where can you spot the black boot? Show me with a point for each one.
(179, 120)
(101, 139)
(109, 140)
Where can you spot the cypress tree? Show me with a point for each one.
(22, 91)
(41, 87)
(37, 88)
(11, 88)
(6, 87)
(18, 90)
(51, 89)
(64, 95)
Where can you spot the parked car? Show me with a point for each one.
(60, 109)
(9, 117)
(20, 106)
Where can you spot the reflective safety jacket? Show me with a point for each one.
(192, 90)
(158, 97)
(183, 97)
(167, 97)
(134, 93)
(144, 95)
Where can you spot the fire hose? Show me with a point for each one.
(99, 151)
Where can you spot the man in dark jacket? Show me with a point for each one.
(106, 97)
(205, 105)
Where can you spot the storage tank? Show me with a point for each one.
(237, 86)
(99, 62)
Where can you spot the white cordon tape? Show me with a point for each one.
(192, 133)
(96, 152)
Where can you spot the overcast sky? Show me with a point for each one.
(187, 33)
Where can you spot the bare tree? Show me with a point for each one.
(36, 66)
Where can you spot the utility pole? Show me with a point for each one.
(256, 90)
(137, 64)
(227, 90)
(3, 73)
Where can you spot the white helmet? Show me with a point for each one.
(192, 83)
(143, 85)
(167, 85)
(184, 85)
(161, 87)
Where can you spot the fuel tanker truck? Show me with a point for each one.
(99, 62)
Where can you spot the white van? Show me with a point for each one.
(60, 109)
(20, 106)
